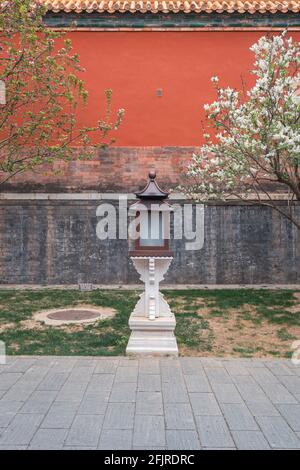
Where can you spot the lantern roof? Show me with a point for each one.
(152, 190)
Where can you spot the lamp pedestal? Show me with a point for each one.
(152, 323)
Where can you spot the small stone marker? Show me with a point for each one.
(2, 92)
(85, 286)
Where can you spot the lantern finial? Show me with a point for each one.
(152, 175)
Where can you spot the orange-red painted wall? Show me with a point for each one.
(136, 64)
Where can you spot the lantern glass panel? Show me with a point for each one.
(151, 229)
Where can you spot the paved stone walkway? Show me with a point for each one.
(121, 403)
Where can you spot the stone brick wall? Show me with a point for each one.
(112, 169)
(54, 242)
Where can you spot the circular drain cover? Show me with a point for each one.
(67, 315)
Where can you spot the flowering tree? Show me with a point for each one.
(40, 78)
(253, 143)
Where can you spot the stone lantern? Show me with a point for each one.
(152, 323)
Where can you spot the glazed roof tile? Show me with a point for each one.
(167, 6)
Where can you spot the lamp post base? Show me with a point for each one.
(152, 323)
(152, 338)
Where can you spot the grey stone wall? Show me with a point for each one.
(55, 242)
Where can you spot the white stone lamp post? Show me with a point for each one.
(152, 323)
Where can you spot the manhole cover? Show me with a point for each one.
(73, 315)
(65, 316)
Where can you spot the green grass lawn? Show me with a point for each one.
(231, 322)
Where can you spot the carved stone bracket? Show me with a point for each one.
(152, 323)
(152, 270)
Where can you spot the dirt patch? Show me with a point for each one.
(6, 326)
(204, 311)
(183, 305)
(294, 309)
(180, 301)
(235, 336)
(243, 332)
(31, 324)
(296, 295)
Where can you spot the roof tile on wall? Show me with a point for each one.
(167, 6)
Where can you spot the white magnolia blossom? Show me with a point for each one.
(255, 135)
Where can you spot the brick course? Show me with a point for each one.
(112, 169)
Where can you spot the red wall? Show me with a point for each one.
(136, 64)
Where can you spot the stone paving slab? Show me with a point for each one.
(115, 439)
(262, 408)
(292, 383)
(119, 416)
(94, 403)
(227, 393)
(21, 430)
(126, 373)
(53, 381)
(149, 382)
(278, 433)
(149, 431)
(39, 402)
(182, 440)
(205, 404)
(297, 396)
(179, 416)
(238, 417)
(175, 393)
(278, 393)
(123, 392)
(214, 432)
(85, 430)
(291, 413)
(106, 366)
(60, 415)
(279, 369)
(48, 439)
(8, 379)
(250, 440)
(191, 365)
(197, 382)
(149, 366)
(149, 403)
